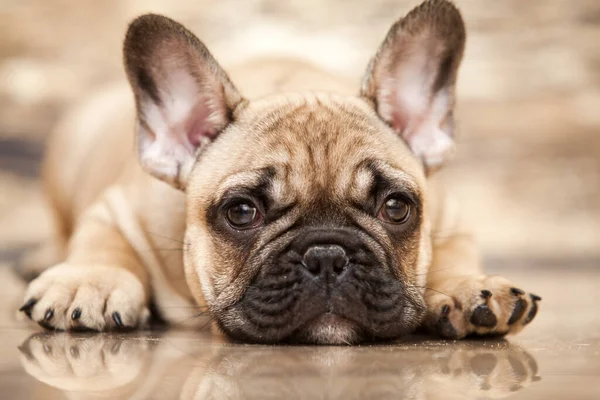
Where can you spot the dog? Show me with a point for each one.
(299, 212)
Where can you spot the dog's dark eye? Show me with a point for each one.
(243, 216)
(395, 210)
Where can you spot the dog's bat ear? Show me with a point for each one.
(183, 98)
(411, 80)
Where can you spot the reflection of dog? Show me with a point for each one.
(121, 368)
(306, 216)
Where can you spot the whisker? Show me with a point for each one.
(436, 236)
(160, 250)
(428, 288)
(167, 237)
(435, 271)
(191, 318)
(210, 321)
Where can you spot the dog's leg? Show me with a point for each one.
(102, 284)
(54, 248)
(462, 301)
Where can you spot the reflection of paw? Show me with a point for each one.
(99, 298)
(480, 306)
(493, 372)
(83, 362)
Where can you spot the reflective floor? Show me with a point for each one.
(557, 357)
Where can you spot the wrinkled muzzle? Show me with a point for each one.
(327, 286)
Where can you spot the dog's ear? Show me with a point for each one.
(411, 80)
(183, 98)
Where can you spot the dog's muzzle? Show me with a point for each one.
(323, 286)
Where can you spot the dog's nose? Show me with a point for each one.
(326, 260)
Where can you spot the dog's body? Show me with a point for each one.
(320, 173)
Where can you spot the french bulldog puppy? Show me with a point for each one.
(297, 212)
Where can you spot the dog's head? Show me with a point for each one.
(307, 213)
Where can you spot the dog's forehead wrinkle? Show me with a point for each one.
(242, 179)
(394, 175)
(315, 144)
(360, 183)
(320, 141)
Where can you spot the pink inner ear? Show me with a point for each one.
(199, 124)
(405, 105)
(399, 121)
(403, 121)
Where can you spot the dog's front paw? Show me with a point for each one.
(100, 298)
(479, 306)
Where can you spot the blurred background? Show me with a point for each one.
(528, 168)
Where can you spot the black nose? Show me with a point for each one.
(325, 259)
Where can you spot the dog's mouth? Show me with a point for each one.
(329, 328)
(333, 329)
(325, 291)
(311, 313)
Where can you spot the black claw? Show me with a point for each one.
(46, 325)
(28, 304)
(117, 318)
(535, 297)
(488, 336)
(518, 311)
(517, 292)
(445, 329)
(483, 316)
(26, 308)
(76, 314)
(445, 310)
(532, 312)
(486, 294)
(49, 314)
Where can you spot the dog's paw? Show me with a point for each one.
(99, 298)
(479, 306)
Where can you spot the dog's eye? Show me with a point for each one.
(243, 216)
(395, 210)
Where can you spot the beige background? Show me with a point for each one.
(528, 169)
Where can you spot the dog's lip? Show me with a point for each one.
(330, 329)
(329, 318)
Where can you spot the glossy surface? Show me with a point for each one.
(558, 356)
